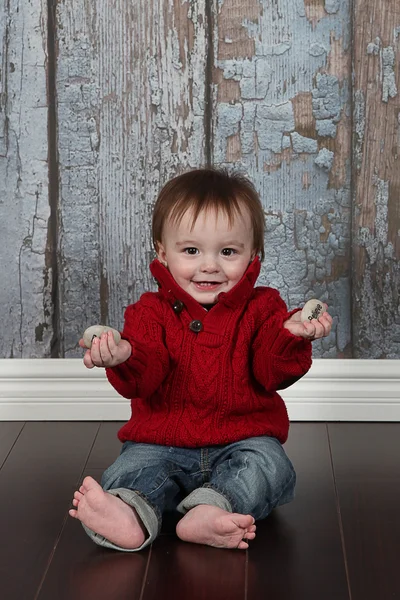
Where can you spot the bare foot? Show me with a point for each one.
(213, 526)
(107, 515)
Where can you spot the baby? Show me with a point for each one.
(201, 360)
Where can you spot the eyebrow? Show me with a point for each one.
(186, 243)
(227, 244)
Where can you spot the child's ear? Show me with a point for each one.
(161, 254)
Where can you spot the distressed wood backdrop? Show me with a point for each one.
(102, 102)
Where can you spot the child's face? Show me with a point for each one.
(211, 257)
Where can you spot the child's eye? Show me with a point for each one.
(228, 252)
(191, 251)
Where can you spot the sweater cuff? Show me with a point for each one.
(280, 341)
(287, 343)
(133, 367)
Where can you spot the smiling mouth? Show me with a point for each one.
(206, 284)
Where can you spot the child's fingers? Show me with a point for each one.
(95, 353)
(310, 328)
(82, 343)
(87, 360)
(326, 321)
(322, 328)
(112, 346)
(107, 348)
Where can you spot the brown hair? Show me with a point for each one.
(204, 189)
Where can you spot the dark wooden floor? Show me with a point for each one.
(339, 540)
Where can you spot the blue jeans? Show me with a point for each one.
(251, 476)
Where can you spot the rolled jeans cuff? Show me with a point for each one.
(204, 495)
(145, 512)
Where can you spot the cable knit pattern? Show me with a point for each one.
(212, 387)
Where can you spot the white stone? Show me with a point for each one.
(312, 309)
(96, 331)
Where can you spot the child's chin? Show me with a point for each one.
(206, 297)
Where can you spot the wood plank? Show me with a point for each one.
(80, 569)
(36, 485)
(25, 293)
(376, 174)
(183, 570)
(281, 107)
(106, 447)
(93, 572)
(366, 465)
(131, 103)
(297, 552)
(9, 432)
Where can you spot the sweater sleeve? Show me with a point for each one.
(148, 364)
(279, 358)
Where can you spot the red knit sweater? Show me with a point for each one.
(201, 378)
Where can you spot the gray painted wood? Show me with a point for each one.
(131, 93)
(376, 165)
(26, 275)
(147, 89)
(281, 115)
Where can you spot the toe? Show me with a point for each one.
(243, 521)
(89, 482)
(243, 545)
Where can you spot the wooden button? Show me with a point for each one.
(178, 306)
(196, 326)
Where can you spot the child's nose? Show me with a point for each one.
(210, 265)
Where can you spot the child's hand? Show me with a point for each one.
(105, 352)
(311, 330)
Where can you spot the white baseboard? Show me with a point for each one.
(64, 390)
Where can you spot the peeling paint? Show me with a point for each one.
(389, 88)
(303, 115)
(388, 58)
(314, 11)
(339, 60)
(271, 123)
(131, 110)
(324, 159)
(326, 97)
(326, 128)
(304, 109)
(25, 293)
(317, 50)
(379, 289)
(359, 128)
(332, 6)
(237, 29)
(303, 144)
(373, 47)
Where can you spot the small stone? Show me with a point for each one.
(312, 309)
(96, 331)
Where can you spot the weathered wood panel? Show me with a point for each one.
(376, 164)
(26, 274)
(282, 115)
(149, 88)
(131, 93)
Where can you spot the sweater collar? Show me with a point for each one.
(237, 296)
